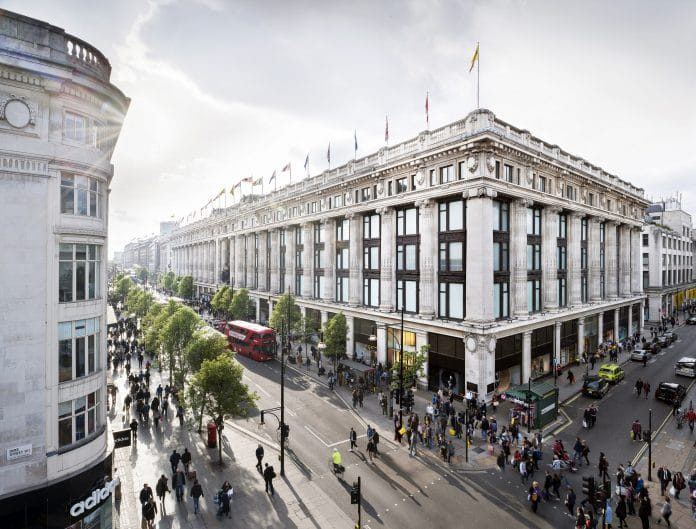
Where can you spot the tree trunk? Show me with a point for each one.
(200, 418)
(219, 432)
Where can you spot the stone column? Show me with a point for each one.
(273, 265)
(636, 262)
(355, 259)
(479, 244)
(629, 332)
(218, 257)
(258, 309)
(616, 325)
(422, 341)
(427, 255)
(581, 337)
(526, 356)
(518, 257)
(197, 262)
(611, 271)
(382, 344)
(549, 257)
(480, 365)
(595, 293)
(641, 321)
(291, 269)
(557, 344)
(625, 261)
(308, 260)
(387, 276)
(324, 318)
(250, 265)
(350, 341)
(263, 245)
(600, 329)
(240, 274)
(573, 257)
(232, 260)
(328, 227)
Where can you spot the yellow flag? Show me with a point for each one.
(474, 58)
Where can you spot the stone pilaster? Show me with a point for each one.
(595, 293)
(263, 245)
(549, 257)
(636, 262)
(625, 261)
(328, 227)
(273, 265)
(355, 259)
(308, 260)
(573, 243)
(427, 255)
(518, 257)
(611, 272)
(479, 243)
(387, 276)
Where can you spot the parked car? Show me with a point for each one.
(663, 341)
(691, 320)
(670, 392)
(653, 347)
(611, 373)
(639, 354)
(594, 386)
(673, 336)
(685, 367)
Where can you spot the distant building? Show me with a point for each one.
(668, 259)
(60, 118)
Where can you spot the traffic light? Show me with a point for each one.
(355, 493)
(409, 400)
(285, 429)
(589, 489)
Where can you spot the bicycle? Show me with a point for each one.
(337, 471)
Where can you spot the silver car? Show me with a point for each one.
(639, 355)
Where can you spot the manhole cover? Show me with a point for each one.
(675, 445)
(479, 450)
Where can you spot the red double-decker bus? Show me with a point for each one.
(250, 339)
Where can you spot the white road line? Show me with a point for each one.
(288, 409)
(346, 441)
(262, 390)
(316, 435)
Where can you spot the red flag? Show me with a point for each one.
(427, 109)
(386, 128)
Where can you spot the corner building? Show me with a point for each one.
(507, 251)
(60, 118)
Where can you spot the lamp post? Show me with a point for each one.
(650, 444)
(401, 358)
(373, 346)
(321, 346)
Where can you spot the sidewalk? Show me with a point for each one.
(298, 502)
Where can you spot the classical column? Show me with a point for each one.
(250, 265)
(307, 260)
(421, 342)
(595, 292)
(611, 272)
(382, 343)
(324, 318)
(290, 267)
(518, 257)
(387, 275)
(263, 245)
(573, 259)
(355, 259)
(350, 342)
(581, 337)
(526, 356)
(479, 251)
(641, 321)
(258, 309)
(616, 325)
(549, 257)
(556, 345)
(218, 257)
(629, 331)
(233, 271)
(328, 227)
(625, 261)
(428, 254)
(600, 328)
(240, 275)
(636, 262)
(273, 265)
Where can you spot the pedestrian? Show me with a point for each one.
(268, 475)
(547, 486)
(259, 458)
(603, 466)
(639, 387)
(161, 489)
(586, 452)
(571, 378)
(608, 514)
(534, 496)
(666, 511)
(145, 494)
(178, 482)
(450, 451)
(186, 460)
(353, 437)
(196, 493)
(174, 460)
(645, 511)
(149, 510)
(570, 500)
(225, 499)
(556, 484)
(621, 511)
(679, 484)
(375, 440)
(180, 414)
(646, 389)
(134, 428)
(523, 470)
(370, 448)
(665, 476)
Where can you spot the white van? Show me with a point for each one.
(686, 367)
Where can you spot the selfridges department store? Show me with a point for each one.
(507, 252)
(60, 117)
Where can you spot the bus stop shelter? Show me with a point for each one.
(537, 402)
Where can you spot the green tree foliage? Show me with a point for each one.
(205, 345)
(175, 337)
(123, 286)
(241, 305)
(142, 274)
(138, 301)
(307, 328)
(286, 315)
(154, 323)
(167, 281)
(219, 388)
(413, 368)
(222, 300)
(335, 336)
(185, 287)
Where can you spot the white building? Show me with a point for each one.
(60, 118)
(508, 251)
(668, 259)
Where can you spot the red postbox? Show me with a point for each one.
(212, 435)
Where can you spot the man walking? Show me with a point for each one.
(259, 458)
(196, 494)
(186, 460)
(174, 460)
(268, 475)
(179, 482)
(353, 437)
(161, 489)
(145, 494)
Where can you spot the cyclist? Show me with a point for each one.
(336, 458)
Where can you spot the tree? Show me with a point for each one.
(307, 329)
(139, 301)
(413, 367)
(167, 281)
(123, 286)
(142, 274)
(205, 345)
(241, 305)
(286, 315)
(155, 322)
(335, 336)
(185, 289)
(175, 336)
(219, 388)
(222, 300)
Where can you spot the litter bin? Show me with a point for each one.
(212, 435)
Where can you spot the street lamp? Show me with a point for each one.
(321, 346)
(373, 347)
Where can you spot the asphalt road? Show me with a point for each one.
(398, 491)
(617, 410)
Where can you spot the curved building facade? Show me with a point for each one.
(60, 118)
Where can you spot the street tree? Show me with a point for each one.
(139, 301)
(222, 301)
(206, 344)
(240, 305)
(142, 274)
(286, 316)
(154, 323)
(335, 336)
(167, 281)
(413, 368)
(175, 336)
(308, 327)
(123, 286)
(219, 390)
(185, 288)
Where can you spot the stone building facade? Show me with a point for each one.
(60, 118)
(507, 252)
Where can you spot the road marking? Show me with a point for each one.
(288, 409)
(262, 390)
(316, 435)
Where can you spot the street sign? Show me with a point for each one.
(122, 438)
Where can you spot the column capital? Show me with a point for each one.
(523, 202)
(596, 220)
(581, 320)
(527, 333)
(351, 215)
(574, 214)
(612, 222)
(385, 210)
(558, 324)
(424, 203)
(480, 192)
(552, 208)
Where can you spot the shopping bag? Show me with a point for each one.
(452, 432)
(403, 430)
(632, 435)
(584, 423)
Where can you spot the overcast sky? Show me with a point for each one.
(224, 89)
